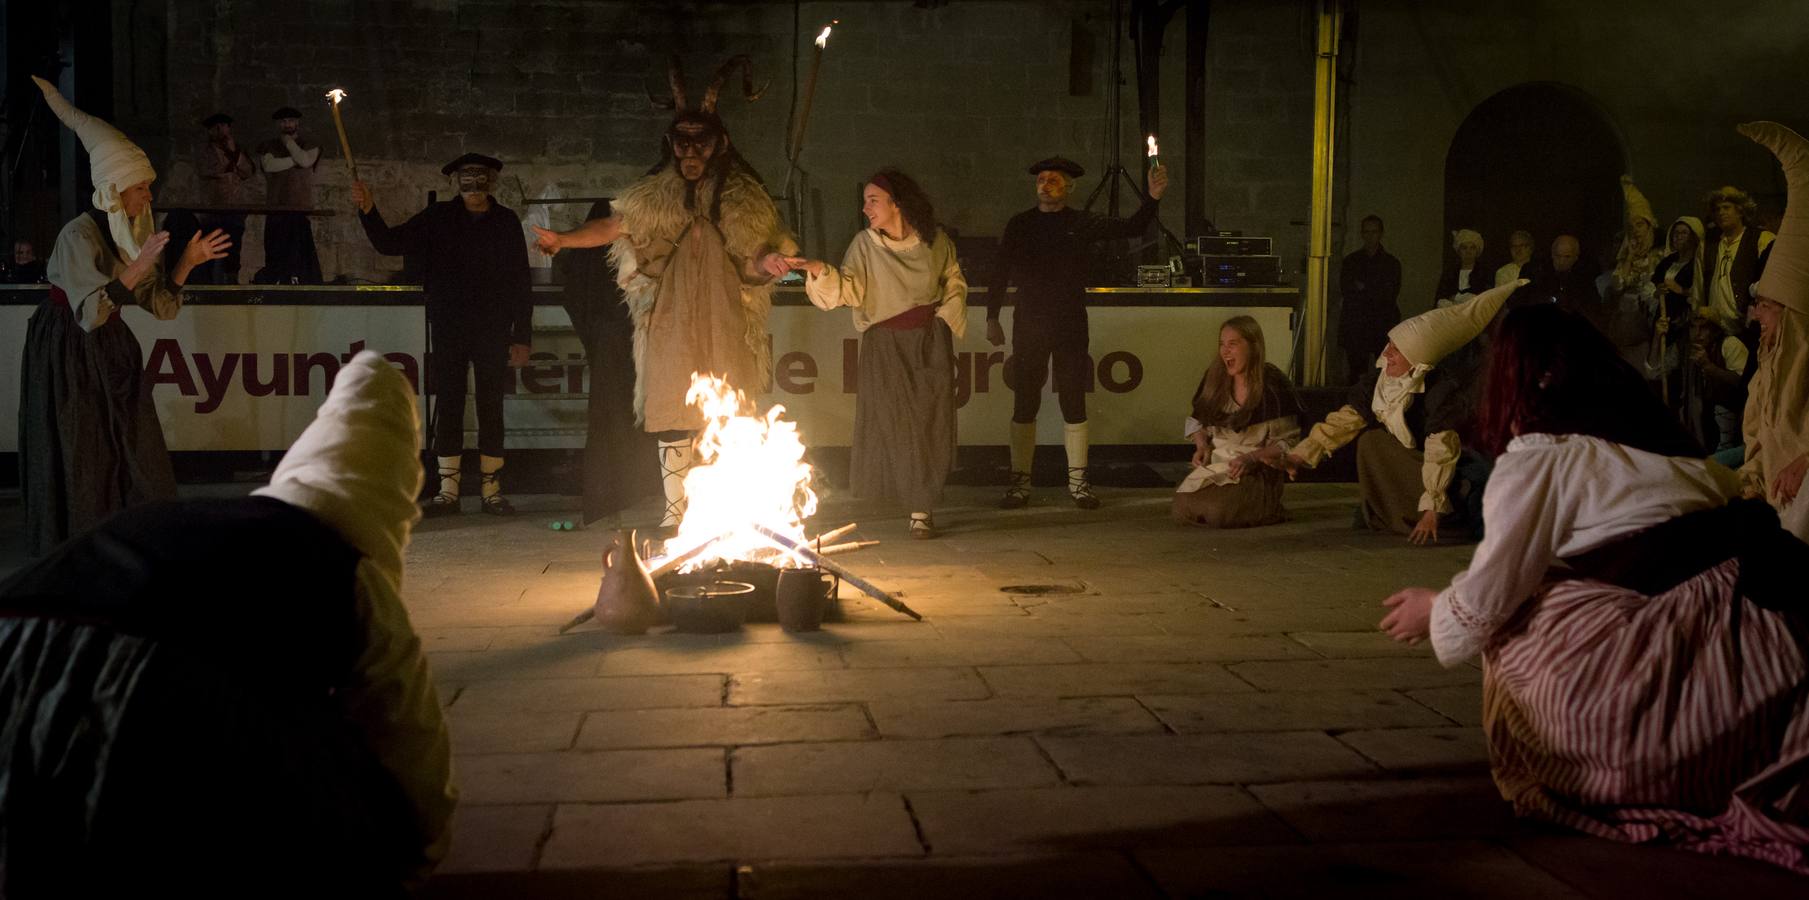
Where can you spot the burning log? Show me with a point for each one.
(826, 563)
(849, 547)
(829, 536)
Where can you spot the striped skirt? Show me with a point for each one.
(1678, 718)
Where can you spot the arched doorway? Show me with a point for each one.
(1538, 156)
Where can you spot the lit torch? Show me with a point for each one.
(1154, 162)
(810, 91)
(333, 97)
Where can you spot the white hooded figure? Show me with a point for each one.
(90, 440)
(203, 688)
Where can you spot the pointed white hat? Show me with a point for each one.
(1786, 278)
(1435, 334)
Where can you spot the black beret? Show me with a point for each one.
(216, 119)
(286, 112)
(472, 159)
(1060, 164)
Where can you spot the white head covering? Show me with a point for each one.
(358, 465)
(1435, 334)
(1777, 403)
(115, 164)
(1464, 236)
(1786, 278)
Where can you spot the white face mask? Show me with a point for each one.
(476, 180)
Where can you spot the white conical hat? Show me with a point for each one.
(1435, 334)
(358, 466)
(115, 164)
(1786, 278)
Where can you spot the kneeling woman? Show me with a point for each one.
(1656, 689)
(1244, 417)
(910, 304)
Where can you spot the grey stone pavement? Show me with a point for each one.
(1209, 714)
(1206, 714)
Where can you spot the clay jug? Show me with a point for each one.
(626, 600)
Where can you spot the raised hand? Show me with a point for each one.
(1158, 182)
(361, 197)
(202, 248)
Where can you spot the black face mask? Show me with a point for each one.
(475, 180)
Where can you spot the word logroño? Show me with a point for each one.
(211, 376)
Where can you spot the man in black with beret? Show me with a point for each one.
(225, 171)
(1044, 252)
(288, 161)
(479, 312)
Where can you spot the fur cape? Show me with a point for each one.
(653, 209)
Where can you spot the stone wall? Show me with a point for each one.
(963, 96)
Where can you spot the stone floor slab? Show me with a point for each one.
(742, 829)
(1205, 759)
(1460, 703)
(500, 731)
(854, 767)
(1391, 809)
(1016, 715)
(1444, 749)
(1359, 644)
(1608, 869)
(746, 657)
(1100, 874)
(495, 838)
(1353, 674)
(1066, 819)
(1470, 869)
(1111, 679)
(584, 694)
(854, 685)
(722, 726)
(1289, 711)
(1188, 648)
(997, 651)
(591, 777)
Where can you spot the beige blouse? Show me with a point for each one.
(881, 278)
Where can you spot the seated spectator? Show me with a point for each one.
(1244, 416)
(1520, 253)
(1405, 419)
(225, 697)
(1715, 387)
(1656, 689)
(1465, 278)
(1776, 423)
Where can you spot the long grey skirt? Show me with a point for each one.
(904, 415)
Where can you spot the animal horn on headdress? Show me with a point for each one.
(675, 73)
(722, 74)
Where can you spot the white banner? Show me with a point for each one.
(249, 377)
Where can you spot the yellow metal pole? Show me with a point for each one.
(1318, 273)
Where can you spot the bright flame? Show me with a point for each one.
(1152, 144)
(823, 38)
(336, 95)
(748, 469)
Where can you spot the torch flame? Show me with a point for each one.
(1152, 145)
(336, 95)
(823, 38)
(749, 469)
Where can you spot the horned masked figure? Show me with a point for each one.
(697, 244)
